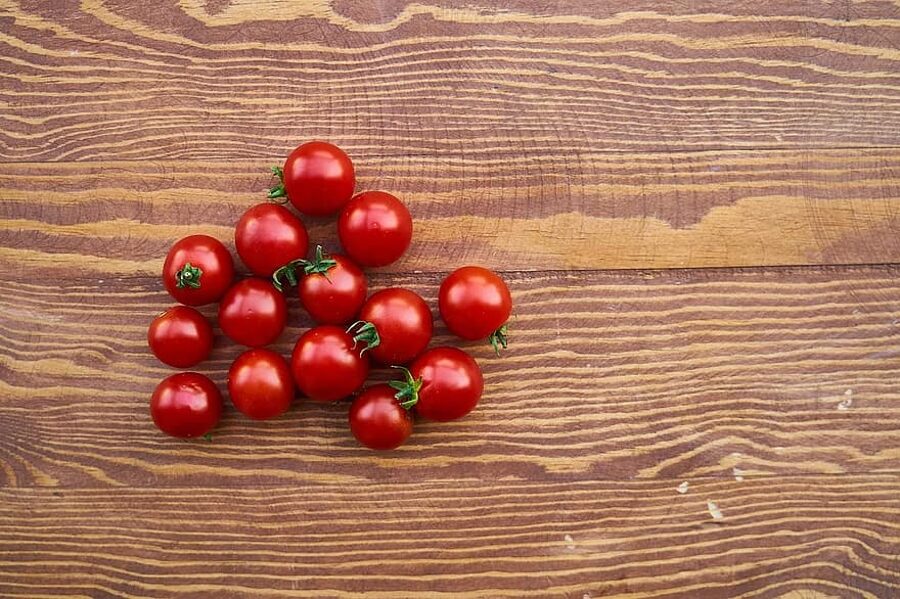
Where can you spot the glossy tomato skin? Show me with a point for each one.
(319, 178)
(326, 365)
(260, 384)
(180, 337)
(474, 302)
(336, 296)
(452, 383)
(214, 270)
(378, 421)
(186, 404)
(253, 313)
(375, 228)
(404, 324)
(268, 236)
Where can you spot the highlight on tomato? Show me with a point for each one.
(475, 303)
(198, 270)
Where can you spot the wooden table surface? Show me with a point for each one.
(696, 205)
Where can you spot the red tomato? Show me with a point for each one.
(403, 322)
(180, 337)
(253, 313)
(186, 404)
(268, 236)
(260, 384)
(317, 178)
(198, 270)
(333, 289)
(377, 419)
(327, 363)
(475, 303)
(451, 383)
(375, 228)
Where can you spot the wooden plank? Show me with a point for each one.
(607, 211)
(100, 80)
(610, 376)
(811, 536)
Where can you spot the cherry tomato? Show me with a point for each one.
(198, 270)
(260, 384)
(253, 313)
(268, 236)
(375, 228)
(403, 322)
(328, 363)
(377, 419)
(451, 383)
(180, 337)
(475, 303)
(333, 289)
(186, 404)
(317, 178)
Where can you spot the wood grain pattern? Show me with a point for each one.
(605, 211)
(835, 536)
(106, 79)
(697, 206)
(617, 377)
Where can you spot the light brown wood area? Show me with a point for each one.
(696, 206)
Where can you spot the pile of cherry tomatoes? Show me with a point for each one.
(331, 361)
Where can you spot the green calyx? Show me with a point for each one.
(407, 390)
(320, 265)
(365, 332)
(278, 191)
(499, 339)
(188, 276)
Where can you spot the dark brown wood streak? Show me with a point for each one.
(696, 206)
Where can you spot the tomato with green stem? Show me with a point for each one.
(198, 270)
(268, 236)
(403, 321)
(330, 363)
(180, 337)
(444, 383)
(378, 420)
(332, 289)
(186, 405)
(317, 177)
(475, 303)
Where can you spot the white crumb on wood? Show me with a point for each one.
(714, 510)
(738, 474)
(570, 542)
(683, 487)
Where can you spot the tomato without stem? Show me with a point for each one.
(180, 337)
(377, 419)
(186, 404)
(328, 363)
(268, 236)
(475, 303)
(404, 324)
(333, 289)
(375, 228)
(317, 178)
(198, 270)
(260, 384)
(445, 382)
(253, 313)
